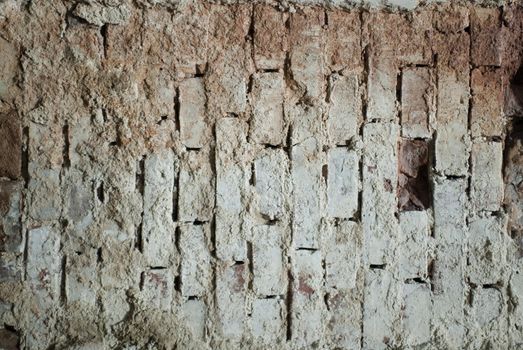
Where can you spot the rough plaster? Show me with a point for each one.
(201, 175)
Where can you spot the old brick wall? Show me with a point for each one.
(195, 175)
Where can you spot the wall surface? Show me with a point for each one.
(195, 175)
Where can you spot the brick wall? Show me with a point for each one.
(195, 175)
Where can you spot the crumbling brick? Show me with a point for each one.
(270, 278)
(270, 174)
(414, 192)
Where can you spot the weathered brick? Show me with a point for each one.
(228, 60)
(485, 33)
(81, 278)
(10, 217)
(43, 264)
(486, 115)
(194, 129)
(230, 300)
(487, 178)
(380, 172)
(450, 209)
(8, 69)
(342, 44)
(379, 314)
(306, 123)
(486, 249)
(194, 313)
(267, 108)
(452, 141)
(342, 183)
(231, 182)
(11, 145)
(382, 80)
(344, 324)
(158, 225)
(306, 309)
(343, 253)
(157, 286)
(489, 323)
(196, 259)
(269, 275)
(307, 184)
(196, 192)
(345, 110)
(267, 323)
(271, 171)
(414, 244)
(417, 309)
(191, 38)
(9, 269)
(306, 53)
(416, 102)
(270, 37)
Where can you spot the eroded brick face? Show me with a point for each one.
(203, 175)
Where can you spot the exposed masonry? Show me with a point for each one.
(207, 176)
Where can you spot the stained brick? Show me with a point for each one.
(196, 259)
(306, 312)
(44, 264)
(230, 300)
(380, 172)
(157, 286)
(344, 326)
(269, 275)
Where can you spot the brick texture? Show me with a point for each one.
(278, 174)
